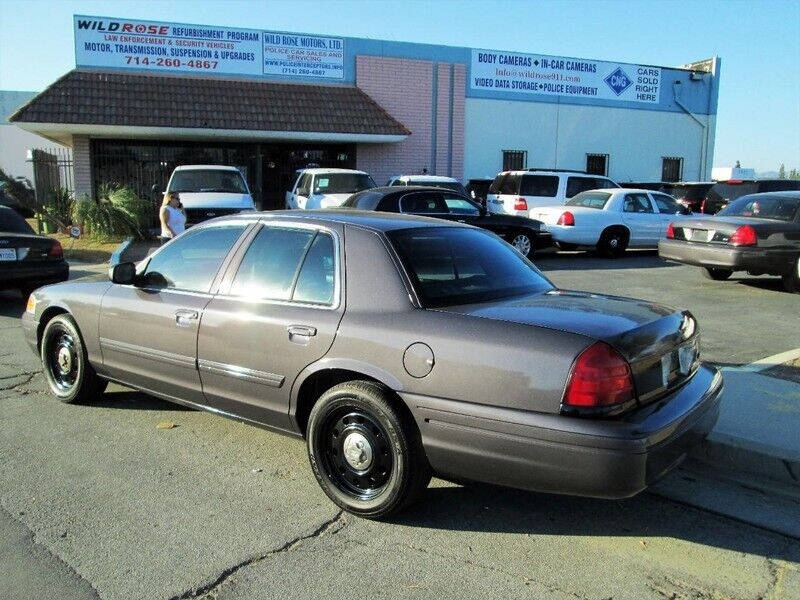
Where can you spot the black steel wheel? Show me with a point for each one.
(68, 373)
(613, 242)
(716, 274)
(365, 451)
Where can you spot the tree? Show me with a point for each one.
(782, 172)
(794, 174)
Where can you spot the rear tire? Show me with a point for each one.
(524, 244)
(716, 274)
(365, 452)
(791, 280)
(612, 243)
(66, 367)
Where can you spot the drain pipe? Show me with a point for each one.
(676, 88)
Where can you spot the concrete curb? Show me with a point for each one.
(758, 461)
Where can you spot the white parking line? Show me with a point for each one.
(768, 362)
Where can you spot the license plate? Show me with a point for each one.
(686, 357)
(8, 254)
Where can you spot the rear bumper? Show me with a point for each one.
(565, 455)
(14, 275)
(727, 257)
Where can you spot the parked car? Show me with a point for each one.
(478, 189)
(758, 233)
(208, 191)
(325, 188)
(27, 260)
(611, 220)
(526, 235)
(439, 181)
(724, 192)
(656, 186)
(517, 192)
(398, 347)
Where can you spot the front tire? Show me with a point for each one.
(791, 280)
(716, 274)
(66, 367)
(366, 453)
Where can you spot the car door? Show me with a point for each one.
(277, 311)
(641, 219)
(669, 210)
(148, 331)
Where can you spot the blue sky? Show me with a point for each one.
(759, 42)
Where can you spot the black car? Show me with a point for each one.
(526, 235)
(689, 193)
(27, 260)
(759, 233)
(724, 192)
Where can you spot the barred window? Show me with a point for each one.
(514, 160)
(671, 168)
(597, 164)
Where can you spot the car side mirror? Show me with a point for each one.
(124, 273)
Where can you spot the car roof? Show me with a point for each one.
(321, 170)
(205, 167)
(546, 172)
(405, 189)
(779, 194)
(368, 219)
(426, 178)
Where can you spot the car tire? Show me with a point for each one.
(365, 452)
(612, 243)
(716, 274)
(524, 243)
(791, 280)
(66, 367)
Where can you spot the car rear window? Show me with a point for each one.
(450, 266)
(505, 183)
(590, 200)
(12, 222)
(539, 185)
(726, 192)
(780, 208)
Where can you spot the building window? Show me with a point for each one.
(671, 168)
(597, 164)
(514, 160)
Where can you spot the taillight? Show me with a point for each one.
(520, 204)
(56, 250)
(566, 218)
(670, 232)
(743, 236)
(599, 377)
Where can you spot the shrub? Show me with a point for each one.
(58, 207)
(117, 212)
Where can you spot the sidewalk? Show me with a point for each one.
(758, 431)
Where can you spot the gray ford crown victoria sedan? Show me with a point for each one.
(398, 347)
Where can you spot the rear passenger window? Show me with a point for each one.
(576, 185)
(510, 184)
(420, 204)
(539, 185)
(315, 283)
(272, 262)
(637, 203)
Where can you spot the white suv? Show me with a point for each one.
(323, 188)
(516, 192)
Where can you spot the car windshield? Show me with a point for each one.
(208, 180)
(12, 222)
(780, 208)
(450, 266)
(342, 183)
(589, 200)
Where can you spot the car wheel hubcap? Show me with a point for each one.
(356, 453)
(613, 242)
(523, 244)
(62, 360)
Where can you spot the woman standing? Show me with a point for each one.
(173, 219)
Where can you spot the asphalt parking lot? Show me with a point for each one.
(96, 501)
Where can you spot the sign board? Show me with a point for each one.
(560, 76)
(203, 49)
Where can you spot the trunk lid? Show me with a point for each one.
(659, 343)
(18, 247)
(714, 230)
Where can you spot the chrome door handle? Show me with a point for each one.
(301, 330)
(183, 318)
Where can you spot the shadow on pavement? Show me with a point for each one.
(485, 508)
(773, 284)
(576, 261)
(12, 304)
